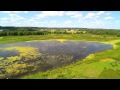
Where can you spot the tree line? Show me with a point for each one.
(105, 32)
(32, 32)
(21, 32)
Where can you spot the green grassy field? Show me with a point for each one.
(88, 37)
(105, 64)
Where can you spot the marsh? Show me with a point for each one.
(48, 54)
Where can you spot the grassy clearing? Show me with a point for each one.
(60, 37)
(77, 70)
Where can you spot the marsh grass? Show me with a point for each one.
(60, 37)
(15, 66)
(105, 64)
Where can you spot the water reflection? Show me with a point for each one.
(55, 53)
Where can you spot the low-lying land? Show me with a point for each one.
(105, 64)
(88, 37)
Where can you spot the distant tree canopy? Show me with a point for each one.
(20, 31)
(105, 32)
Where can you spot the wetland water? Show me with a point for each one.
(49, 53)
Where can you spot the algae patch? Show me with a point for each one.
(60, 40)
(1, 58)
(20, 64)
(45, 55)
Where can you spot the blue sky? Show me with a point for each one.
(84, 19)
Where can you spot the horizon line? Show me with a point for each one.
(55, 27)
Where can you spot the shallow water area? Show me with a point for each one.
(45, 55)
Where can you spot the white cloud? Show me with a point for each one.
(95, 24)
(70, 13)
(5, 19)
(12, 18)
(14, 12)
(100, 12)
(25, 11)
(11, 12)
(33, 22)
(90, 15)
(17, 17)
(74, 14)
(77, 16)
(109, 17)
(88, 19)
(68, 22)
(50, 13)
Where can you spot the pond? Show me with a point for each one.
(25, 57)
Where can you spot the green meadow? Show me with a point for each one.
(83, 37)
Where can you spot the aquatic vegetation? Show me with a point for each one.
(1, 58)
(76, 70)
(34, 57)
(61, 40)
(15, 69)
(105, 64)
(97, 65)
(26, 52)
(15, 65)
